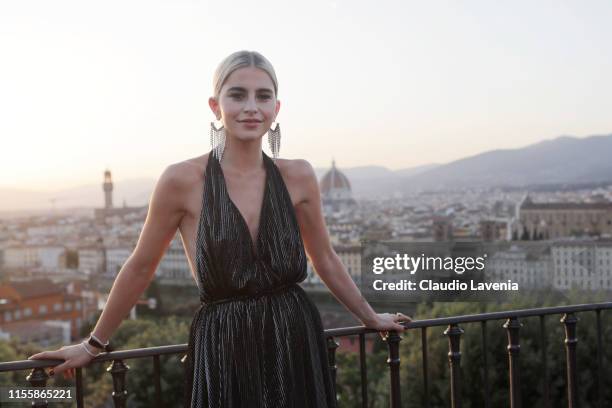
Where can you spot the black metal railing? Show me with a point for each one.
(512, 326)
(118, 369)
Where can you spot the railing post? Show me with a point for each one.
(393, 339)
(118, 370)
(332, 345)
(600, 386)
(570, 320)
(157, 379)
(544, 355)
(38, 378)
(79, 387)
(513, 326)
(424, 359)
(485, 368)
(454, 333)
(363, 370)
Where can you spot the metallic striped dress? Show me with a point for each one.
(256, 341)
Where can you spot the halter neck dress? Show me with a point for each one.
(256, 341)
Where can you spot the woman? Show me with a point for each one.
(247, 222)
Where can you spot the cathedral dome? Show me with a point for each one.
(334, 179)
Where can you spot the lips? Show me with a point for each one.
(250, 121)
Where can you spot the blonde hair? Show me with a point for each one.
(240, 59)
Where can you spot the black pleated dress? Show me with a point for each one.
(257, 339)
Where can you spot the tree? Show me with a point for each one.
(72, 259)
(525, 236)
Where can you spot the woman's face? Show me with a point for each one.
(247, 105)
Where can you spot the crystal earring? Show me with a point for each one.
(217, 140)
(274, 137)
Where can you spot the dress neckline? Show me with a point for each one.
(254, 246)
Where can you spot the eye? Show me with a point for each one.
(265, 96)
(236, 96)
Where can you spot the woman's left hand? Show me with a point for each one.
(383, 322)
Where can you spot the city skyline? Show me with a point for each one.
(126, 86)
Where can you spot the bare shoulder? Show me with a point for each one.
(294, 168)
(188, 172)
(299, 176)
(180, 178)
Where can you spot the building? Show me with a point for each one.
(493, 230)
(442, 228)
(42, 257)
(583, 264)
(342, 232)
(560, 264)
(528, 264)
(51, 229)
(562, 219)
(350, 255)
(174, 265)
(336, 193)
(38, 301)
(45, 333)
(20, 256)
(92, 259)
(115, 259)
(109, 211)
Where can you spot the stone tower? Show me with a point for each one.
(107, 186)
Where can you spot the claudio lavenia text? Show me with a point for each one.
(454, 285)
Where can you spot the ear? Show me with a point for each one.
(278, 104)
(214, 106)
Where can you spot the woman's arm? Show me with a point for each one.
(163, 217)
(326, 262)
(166, 209)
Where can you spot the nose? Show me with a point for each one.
(250, 105)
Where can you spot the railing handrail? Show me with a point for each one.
(338, 332)
(113, 355)
(478, 317)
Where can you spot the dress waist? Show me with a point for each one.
(276, 289)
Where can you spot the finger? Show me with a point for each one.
(397, 327)
(403, 317)
(46, 355)
(61, 368)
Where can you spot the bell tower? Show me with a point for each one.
(107, 186)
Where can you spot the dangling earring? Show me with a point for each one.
(217, 140)
(274, 137)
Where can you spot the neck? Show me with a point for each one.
(243, 157)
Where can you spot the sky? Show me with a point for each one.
(125, 84)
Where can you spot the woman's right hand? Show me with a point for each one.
(75, 356)
(383, 322)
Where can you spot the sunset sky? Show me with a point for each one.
(124, 84)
